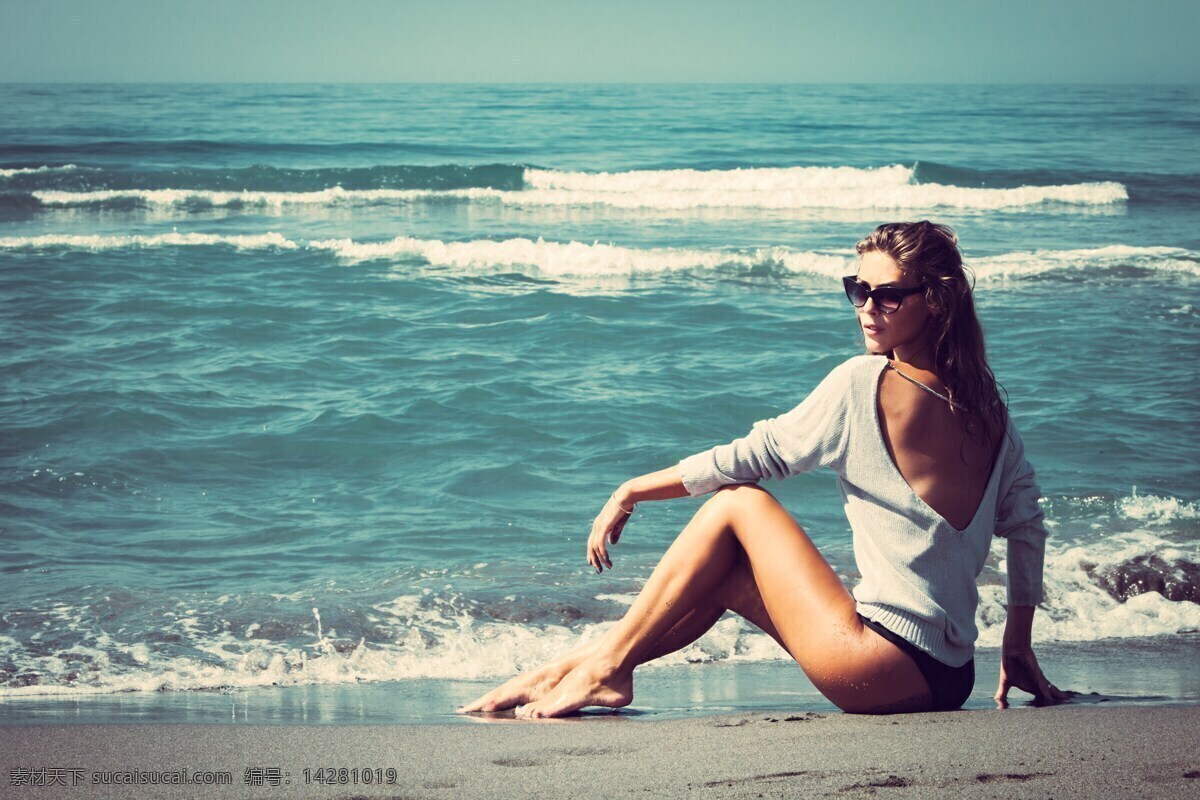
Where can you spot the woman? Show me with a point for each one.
(930, 468)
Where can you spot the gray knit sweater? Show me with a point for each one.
(918, 571)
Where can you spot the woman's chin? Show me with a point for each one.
(876, 348)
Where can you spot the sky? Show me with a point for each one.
(642, 41)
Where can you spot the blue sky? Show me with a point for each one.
(869, 41)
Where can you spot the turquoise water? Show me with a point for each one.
(316, 385)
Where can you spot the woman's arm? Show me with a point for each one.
(1018, 628)
(1020, 520)
(1019, 666)
(666, 484)
(812, 434)
(606, 529)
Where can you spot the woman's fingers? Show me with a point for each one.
(595, 544)
(1002, 692)
(1052, 694)
(597, 552)
(593, 550)
(1015, 674)
(602, 551)
(1046, 692)
(614, 535)
(1043, 696)
(596, 555)
(1021, 671)
(606, 529)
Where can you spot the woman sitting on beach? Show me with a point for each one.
(930, 468)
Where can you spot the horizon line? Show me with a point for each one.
(584, 83)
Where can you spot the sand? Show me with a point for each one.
(1059, 752)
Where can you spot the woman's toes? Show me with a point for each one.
(467, 709)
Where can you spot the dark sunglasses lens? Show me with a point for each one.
(888, 300)
(855, 292)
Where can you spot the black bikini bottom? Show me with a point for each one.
(951, 686)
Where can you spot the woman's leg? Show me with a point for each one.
(813, 615)
(737, 593)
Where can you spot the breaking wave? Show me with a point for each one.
(1130, 585)
(890, 187)
(581, 259)
(96, 242)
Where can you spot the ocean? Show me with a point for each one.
(311, 392)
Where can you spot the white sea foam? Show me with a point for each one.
(1153, 508)
(439, 637)
(1038, 262)
(1076, 608)
(8, 173)
(745, 180)
(890, 187)
(333, 196)
(596, 259)
(463, 649)
(95, 242)
(578, 258)
(599, 259)
(792, 187)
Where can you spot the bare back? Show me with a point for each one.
(944, 467)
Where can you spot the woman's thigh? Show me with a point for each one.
(810, 612)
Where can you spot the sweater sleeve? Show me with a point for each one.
(811, 435)
(1019, 519)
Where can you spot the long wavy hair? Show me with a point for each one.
(930, 253)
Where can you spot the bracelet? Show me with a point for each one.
(630, 511)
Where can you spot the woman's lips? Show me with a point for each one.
(871, 328)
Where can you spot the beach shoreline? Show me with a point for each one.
(1061, 752)
(1137, 672)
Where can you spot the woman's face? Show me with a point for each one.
(900, 332)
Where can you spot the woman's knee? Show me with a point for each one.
(735, 496)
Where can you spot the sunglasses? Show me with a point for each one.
(887, 298)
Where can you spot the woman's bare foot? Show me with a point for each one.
(592, 683)
(525, 688)
(531, 687)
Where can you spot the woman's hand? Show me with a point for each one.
(606, 528)
(1019, 669)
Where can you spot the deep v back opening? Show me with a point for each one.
(900, 475)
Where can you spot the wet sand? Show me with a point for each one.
(1081, 751)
